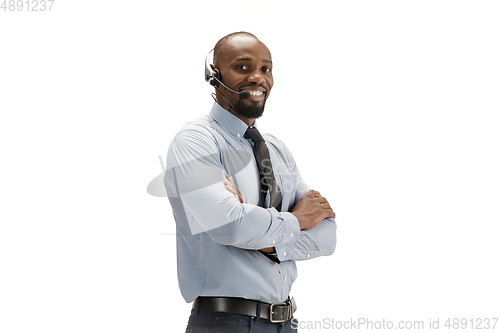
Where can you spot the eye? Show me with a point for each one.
(242, 67)
(266, 70)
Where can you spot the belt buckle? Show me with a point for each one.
(289, 315)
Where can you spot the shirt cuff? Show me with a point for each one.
(284, 228)
(292, 233)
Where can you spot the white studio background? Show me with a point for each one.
(389, 107)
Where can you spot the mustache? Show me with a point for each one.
(254, 85)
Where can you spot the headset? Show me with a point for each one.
(213, 77)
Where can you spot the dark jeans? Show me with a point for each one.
(218, 322)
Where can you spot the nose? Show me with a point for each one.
(256, 76)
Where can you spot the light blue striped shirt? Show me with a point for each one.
(217, 236)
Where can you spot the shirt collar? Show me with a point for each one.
(229, 121)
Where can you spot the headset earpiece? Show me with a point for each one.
(211, 74)
(216, 75)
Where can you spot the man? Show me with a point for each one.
(243, 213)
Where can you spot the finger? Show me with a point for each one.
(231, 189)
(331, 213)
(314, 194)
(326, 205)
(230, 180)
(233, 184)
(328, 214)
(236, 195)
(321, 200)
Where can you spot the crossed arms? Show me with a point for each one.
(310, 210)
(308, 231)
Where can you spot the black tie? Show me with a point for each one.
(267, 180)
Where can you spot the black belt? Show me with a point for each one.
(276, 312)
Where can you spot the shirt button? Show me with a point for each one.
(284, 254)
(285, 278)
(238, 135)
(291, 235)
(308, 255)
(272, 242)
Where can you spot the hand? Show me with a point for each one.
(268, 249)
(231, 187)
(311, 209)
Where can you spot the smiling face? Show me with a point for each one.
(245, 64)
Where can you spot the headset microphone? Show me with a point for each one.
(213, 77)
(245, 94)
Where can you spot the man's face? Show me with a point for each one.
(245, 64)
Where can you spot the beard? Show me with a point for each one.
(249, 110)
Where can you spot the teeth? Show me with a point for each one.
(256, 93)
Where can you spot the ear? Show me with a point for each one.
(213, 67)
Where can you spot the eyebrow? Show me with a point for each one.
(250, 59)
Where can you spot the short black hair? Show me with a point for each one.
(223, 41)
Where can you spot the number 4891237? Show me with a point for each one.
(27, 5)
